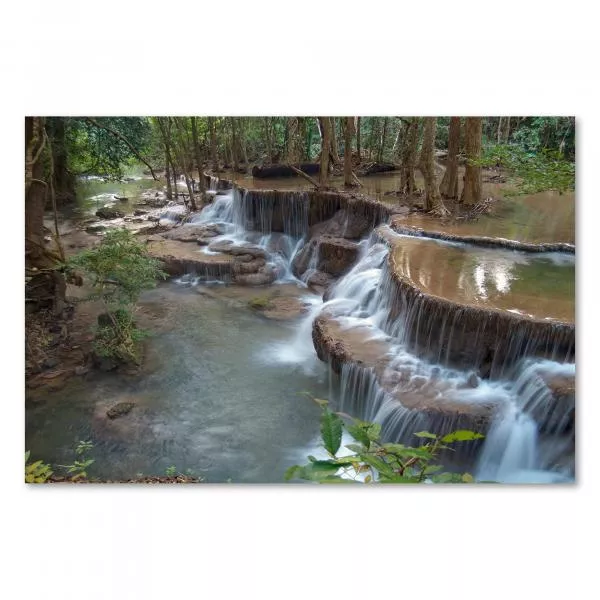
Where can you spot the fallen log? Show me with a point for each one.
(376, 167)
(283, 170)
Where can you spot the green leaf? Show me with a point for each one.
(27, 454)
(426, 434)
(447, 478)
(467, 478)
(462, 435)
(374, 431)
(331, 431)
(378, 464)
(360, 435)
(357, 448)
(315, 471)
(403, 451)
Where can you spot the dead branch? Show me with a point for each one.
(307, 177)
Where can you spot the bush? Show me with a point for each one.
(120, 268)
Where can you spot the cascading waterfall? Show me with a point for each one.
(528, 438)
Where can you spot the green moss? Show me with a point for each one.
(260, 303)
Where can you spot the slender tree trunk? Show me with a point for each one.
(309, 138)
(507, 130)
(168, 175)
(181, 154)
(471, 193)
(433, 200)
(449, 185)
(382, 143)
(372, 137)
(409, 156)
(325, 127)
(234, 154)
(201, 183)
(348, 132)
(268, 140)
(335, 157)
(294, 145)
(499, 134)
(358, 149)
(213, 143)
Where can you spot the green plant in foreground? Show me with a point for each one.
(120, 268)
(36, 472)
(373, 461)
(78, 469)
(171, 471)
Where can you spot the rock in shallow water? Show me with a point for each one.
(119, 409)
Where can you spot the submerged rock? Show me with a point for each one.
(119, 409)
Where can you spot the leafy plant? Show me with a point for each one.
(531, 171)
(36, 472)
(120, 268)
(171, 471)
(78, 469)
(371, 460)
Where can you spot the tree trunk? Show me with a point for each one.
(358, 150)
(201, 183)
(325, 127)
(268, 140)
(348, 132)
(499, 134)
(471, 193)
(181, 154)
(213, 143)
(64, 180)
(449, 185)
(382, 142)
(294, 144)
(433, 200)
(409, 155)
(168, 175)
(335, 157)
(35, 193)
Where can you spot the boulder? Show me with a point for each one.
(336, 255)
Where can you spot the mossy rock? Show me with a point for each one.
(119, 409)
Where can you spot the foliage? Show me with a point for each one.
(92, 149)
(373, 461)
(532, 171)
(78, 469)
(120, 269)
(171, 471)
(36, 472)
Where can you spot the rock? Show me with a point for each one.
(49, 363)
(247, 267)
(81, 370)
(336, 255)
(344, 223)
(106, 212)
(121, 198)
(98, 228)
(264, 276)
(473, 380)
(138, 212)
(119, 409)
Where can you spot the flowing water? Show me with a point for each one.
(223, 396)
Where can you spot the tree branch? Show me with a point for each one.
(125, 141)
(303, 174)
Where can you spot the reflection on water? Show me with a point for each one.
(541, 285)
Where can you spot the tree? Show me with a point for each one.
(409, 156)
(325, 127)
(348, 133)
(201, 182)
(212, 127)
(433, 200)
(358, 150)
(449, 185)
(471, 193)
